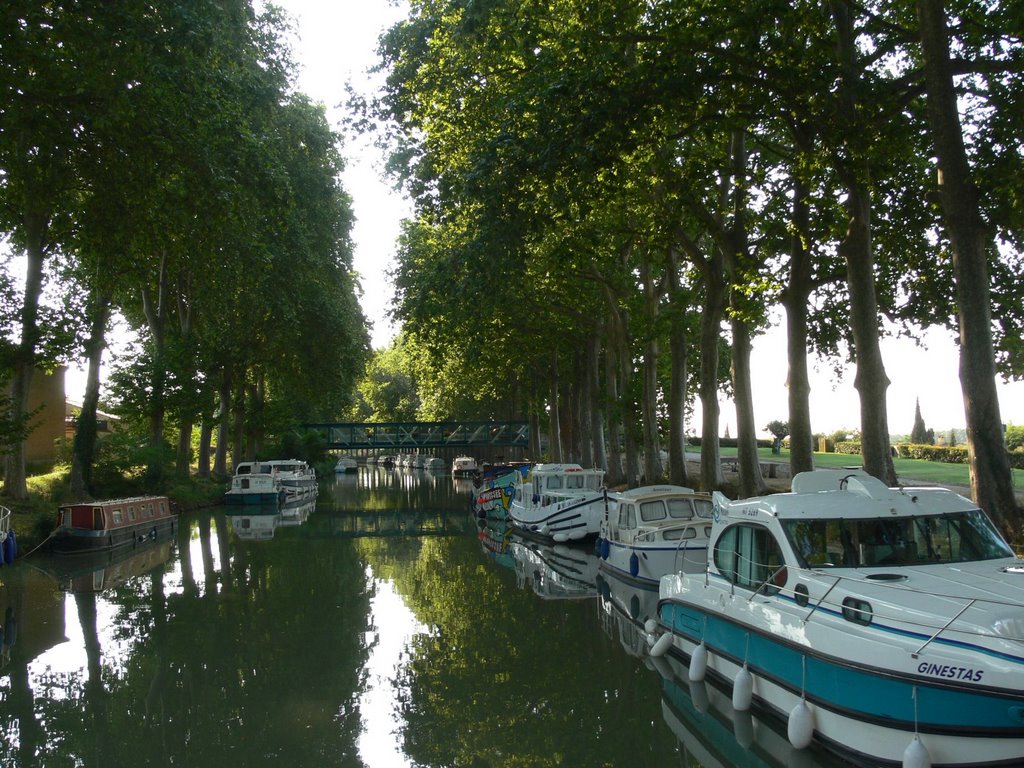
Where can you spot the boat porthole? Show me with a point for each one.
(801, 595)
(858, 611)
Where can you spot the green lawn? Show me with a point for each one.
(908, 470)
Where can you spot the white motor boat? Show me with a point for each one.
(656, 529)
(560, 502)
(885, 623)
(464, 466)
(346, 464)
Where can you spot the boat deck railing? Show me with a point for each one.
(5, 523)
(846, 596)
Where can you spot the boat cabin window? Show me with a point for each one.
(704, 508)
(748, 556)
(554, 482)
(652, 510)
(131, 513)
(575, 481)
(675, 534)
(116, 516)
(895, 541)
(627, 516)
(243, 469)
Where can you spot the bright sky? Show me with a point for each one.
(337, 44)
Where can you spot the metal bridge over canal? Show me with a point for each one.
(414, 435)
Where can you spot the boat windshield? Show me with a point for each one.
(958, 537)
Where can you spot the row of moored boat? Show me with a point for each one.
(885, 623)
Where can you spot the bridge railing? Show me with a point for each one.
(419, 434)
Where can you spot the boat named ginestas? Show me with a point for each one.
(885, 623)
(270, 482)
(653, 530)
(95, 526)
(559, 502)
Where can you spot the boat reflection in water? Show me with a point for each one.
(554, 571)
(710, 731)
(97, 571)
(260, 523)
(716, 735)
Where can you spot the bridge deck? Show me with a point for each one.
(424, 434)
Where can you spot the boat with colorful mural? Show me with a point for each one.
(559, 502)
(93, 526)
(655, 529)
(493, 487)
(887, 624)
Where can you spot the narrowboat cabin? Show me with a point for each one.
(95, 526)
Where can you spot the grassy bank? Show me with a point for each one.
(34, 519)
(908, 470)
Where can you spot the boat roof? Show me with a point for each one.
(654, 490)
(829, 493)
(106, 502)
(564, 468)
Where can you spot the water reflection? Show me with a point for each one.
(554, 571)
(383, 628)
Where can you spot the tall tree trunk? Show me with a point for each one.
(36, 225)
(738, 259)
(83, 451)
(205, 440)
(183, 461)
(751, 483)
(871, 381)
(554, 426)
(991, 479)
(712, 311)
(596, 413)
(585, 403)
(677, 472)
(653, 470)
(797, 295)
(220, 458)
(616, 473)
(238, 425)
(154, 306)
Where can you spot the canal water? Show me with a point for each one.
(380, 628)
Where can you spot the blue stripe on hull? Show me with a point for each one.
(859, 692)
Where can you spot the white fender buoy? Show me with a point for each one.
(800, 728)
(742, 690)
(743, 729)
(650, 626)
(699, 696)
(651, 639)
(916, 755)
(560, 538)
(698, 663)
(660, 648)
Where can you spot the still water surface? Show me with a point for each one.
(381, 629)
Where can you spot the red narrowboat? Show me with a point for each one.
(94, 526)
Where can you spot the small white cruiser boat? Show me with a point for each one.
(886, 623)
(656, 529)
(464, 466)
(346, 464)
(560, 502)
(270, 482)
